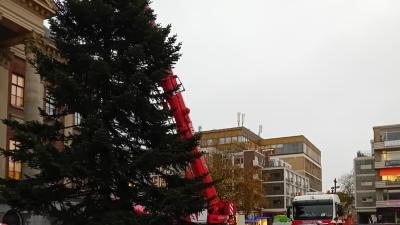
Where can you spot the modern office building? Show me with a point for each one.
(236, 151)
(301, 154)
(289, 165)
(230, 139)
(280, 185)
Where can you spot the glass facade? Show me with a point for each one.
(391, 178)
(272, 175)
(391, 194)
(390, 155)
(224, 140)
(289, 148)
(313, 154)
(296, 148)
(281, 185)
(392, 135)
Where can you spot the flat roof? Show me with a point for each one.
(289, 139)
(387, 126)
(316, 197)
(225, 130)
(250, 134)
(261, 141)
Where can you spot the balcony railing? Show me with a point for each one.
(364, 154)
(387, 184)
(388, 203)
(258, 163)
(387, 163)
(278, 163)
(394, 143)
(386, 144)
(379, 165)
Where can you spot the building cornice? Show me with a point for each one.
(43, 8)
(46, 45)
(31, 40)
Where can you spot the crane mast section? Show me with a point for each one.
(180, 113)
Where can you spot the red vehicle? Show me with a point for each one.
(318, 208)
(219, 212)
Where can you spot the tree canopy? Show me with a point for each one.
(235, 183)
(114, 57)
(347, 189)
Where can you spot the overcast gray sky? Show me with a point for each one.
(327, 69)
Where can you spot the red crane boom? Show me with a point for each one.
(219, 212)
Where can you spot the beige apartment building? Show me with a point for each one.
(280, 185)
(230, 139)
(301, 154)
(386, 149)
(377, 178)
(236, 149)
(290, 165)
(365, 192)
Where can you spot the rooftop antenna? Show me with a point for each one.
(259, 130)
(238, 118)
(243, 115)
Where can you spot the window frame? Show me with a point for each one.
(17, 86)
(15, 174)
(366, 167)
(387, 133)
(49, 104)
(77, 119)
(366, 183)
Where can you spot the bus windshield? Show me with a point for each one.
(313, 211)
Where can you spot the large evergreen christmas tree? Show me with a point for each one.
(113, 58)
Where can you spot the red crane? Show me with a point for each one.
(219, 212)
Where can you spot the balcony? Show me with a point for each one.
(258, 163)
(278, 163)
(388, 203)
(379, 165)
(387, 144)
(387, 184)
(387, 164)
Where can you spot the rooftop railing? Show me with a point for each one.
(278, 163)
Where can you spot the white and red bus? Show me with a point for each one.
(317, 209)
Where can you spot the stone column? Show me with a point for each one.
(33, 99)
(5, 56)
(34, 91)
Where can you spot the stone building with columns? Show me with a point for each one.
(21, 90)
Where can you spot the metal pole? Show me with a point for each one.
(334, 182)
